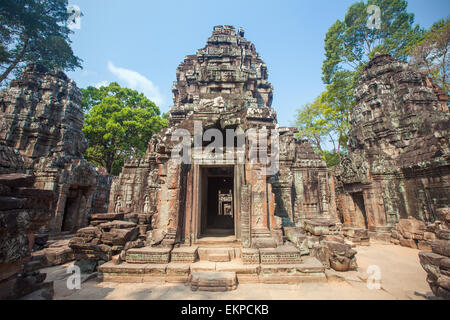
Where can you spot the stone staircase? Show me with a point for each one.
(216, 254)
(210, 267)
(213, 281)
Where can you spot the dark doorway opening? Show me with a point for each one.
(217, 214)
(75, 205)
(358, 200)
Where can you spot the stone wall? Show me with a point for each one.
(436, 260)
(23, 211)
(11, 161)
(398, 163)
(100, 198)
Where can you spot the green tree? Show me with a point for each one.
(431, 54)
(350, 44)
(119, 124)
(35, 31)
(325, 121)
(312, 124)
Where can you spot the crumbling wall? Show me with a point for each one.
(23, 210)
(437, 262)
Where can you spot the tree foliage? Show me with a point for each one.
(431, 54)
(349, 45)
(326, 119)
(35, 31)
(119, 124)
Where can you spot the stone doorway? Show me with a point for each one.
(360, 208)
(76, 202)
(217, 216)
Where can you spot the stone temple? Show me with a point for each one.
(224, 195)
(222, 205)
(224, 86)
(398, 165)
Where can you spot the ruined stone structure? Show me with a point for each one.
(189, 207)
(396, 180)
(437, 263)
(223, 195)
(23, 210)
(398, 162)
(224, 86)
(41, 120)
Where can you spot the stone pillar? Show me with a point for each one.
(276, 223)
(323, 194)
(332, 198)
(170, 201)
(56, 224)
(299, 210)
(245, 215)
(259, 209)
(239, 174)
(282, 193)
(260, 233)
(189, 208)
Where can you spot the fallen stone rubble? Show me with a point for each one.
(437, 262)
(323, 240)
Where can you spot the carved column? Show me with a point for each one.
(245, 214)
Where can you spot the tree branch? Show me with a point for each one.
(16, 61)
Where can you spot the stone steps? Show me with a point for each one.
(219, 257)
(213, 281)
(212, 266)
(148, 255)
(266, 256)
(203, 266)
(216, 254)
(225, 242)
(309, 270)
(281, 255)
(184, 254)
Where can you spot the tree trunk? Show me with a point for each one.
(109, 163)
(14, 64)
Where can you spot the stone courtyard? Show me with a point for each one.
(255, 214)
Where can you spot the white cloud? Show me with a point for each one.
(103, 83)
(136, 81)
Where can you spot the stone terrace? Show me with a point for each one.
(184, 264)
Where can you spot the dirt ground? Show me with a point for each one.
(401, 275)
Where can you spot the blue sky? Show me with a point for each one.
(140, 43)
